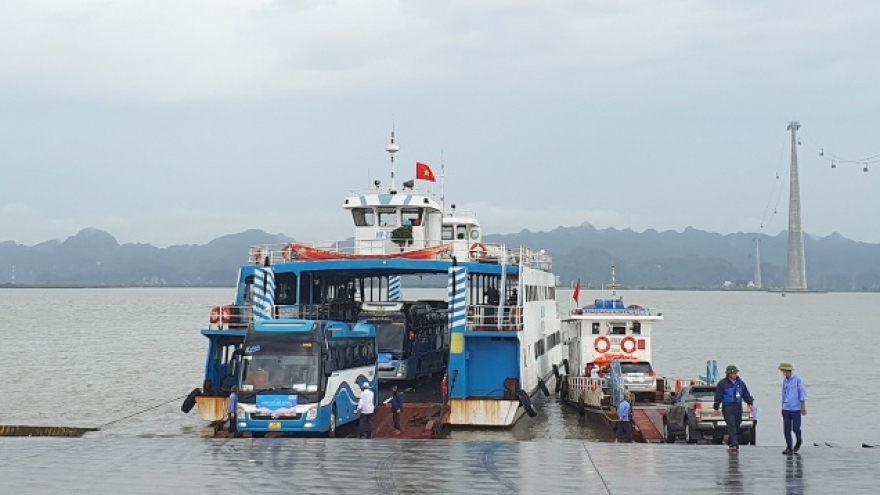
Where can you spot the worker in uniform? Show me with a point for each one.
(730, 393)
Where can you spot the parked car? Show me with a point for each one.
(691, 416)
(639, 378)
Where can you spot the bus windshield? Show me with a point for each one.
(274, 364)
(390, 333)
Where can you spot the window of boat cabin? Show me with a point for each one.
(411, 216)
(387, 217)
(447, 233)
(460, 232)
(637, 328)
(618, 329)
(595, 328)
(363, 217)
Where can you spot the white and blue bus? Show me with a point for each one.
(304, 376)
(411, 337)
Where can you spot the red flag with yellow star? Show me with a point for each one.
(424, 172)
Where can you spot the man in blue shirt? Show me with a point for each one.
(232, 409)
(794, 405)
(396, 406)
(624, 427)
(732, 391)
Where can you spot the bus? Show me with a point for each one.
(304, 376)
(411, 337)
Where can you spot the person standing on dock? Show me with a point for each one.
(396, 406)
(794, 405)
(731, 392)
(365, 408)
(624, 427)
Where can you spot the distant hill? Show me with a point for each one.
(677, 260)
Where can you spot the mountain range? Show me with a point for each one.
(692, 259)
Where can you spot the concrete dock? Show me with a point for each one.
(336, 466)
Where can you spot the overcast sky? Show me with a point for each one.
(174, 122)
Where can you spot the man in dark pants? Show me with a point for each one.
(396, 406)
(366, 406)
(731, 392)
(794, 405)
(624, 427)
(232, 410)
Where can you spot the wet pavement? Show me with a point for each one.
(200, 466)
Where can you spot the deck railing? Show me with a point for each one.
(488, 318)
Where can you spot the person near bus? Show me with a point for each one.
(396, 406)
(794, 405)
(730, 392)
(232, 410)
(365, 408)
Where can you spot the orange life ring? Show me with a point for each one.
(225, 314)
(215, 315)
(287, 252)
(602, 339)
(258, 255)
(631, 340)
(478, 251)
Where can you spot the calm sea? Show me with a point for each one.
(86, 357)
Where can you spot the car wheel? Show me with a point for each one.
(689, 434)
(670, 438)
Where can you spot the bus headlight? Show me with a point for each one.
(401, 369)
(312, 413)
(239, 411)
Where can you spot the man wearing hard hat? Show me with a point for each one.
(794, 405)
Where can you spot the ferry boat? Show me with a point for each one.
(609, 352)
(503, 333)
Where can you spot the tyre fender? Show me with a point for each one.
(526, 402)
(543, 387)
(190, 401)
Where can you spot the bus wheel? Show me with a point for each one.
(258, 434)
(331, 433)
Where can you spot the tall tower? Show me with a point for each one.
(797, 269)
(757, 278)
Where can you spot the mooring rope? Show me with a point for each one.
(141, 412)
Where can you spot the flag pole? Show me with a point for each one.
(442, 186)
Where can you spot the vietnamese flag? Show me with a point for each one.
(577, 292)
(424, 172)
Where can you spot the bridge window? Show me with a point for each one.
(475, 234)
(595, 328)
(387, 217)
(363, 217)
(446, 233)
(411, 216)
(618, 330)
(460, 232)
(637, 328)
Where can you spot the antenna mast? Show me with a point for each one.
(613, 283)
(442, 185)
(392, 149)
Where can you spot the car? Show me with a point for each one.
(691, 416)
(639, 379)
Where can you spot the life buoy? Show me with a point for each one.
(258, 256)
(478, 251)
(225, 314)
(606, 344)
(287, 252)
(215, 315)
(628, 340)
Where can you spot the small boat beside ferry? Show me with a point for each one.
(332, 312)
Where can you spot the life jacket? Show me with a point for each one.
(733, 393)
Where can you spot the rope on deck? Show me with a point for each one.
(596, 468)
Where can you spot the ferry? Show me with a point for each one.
(609, 352)
(501, 334)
